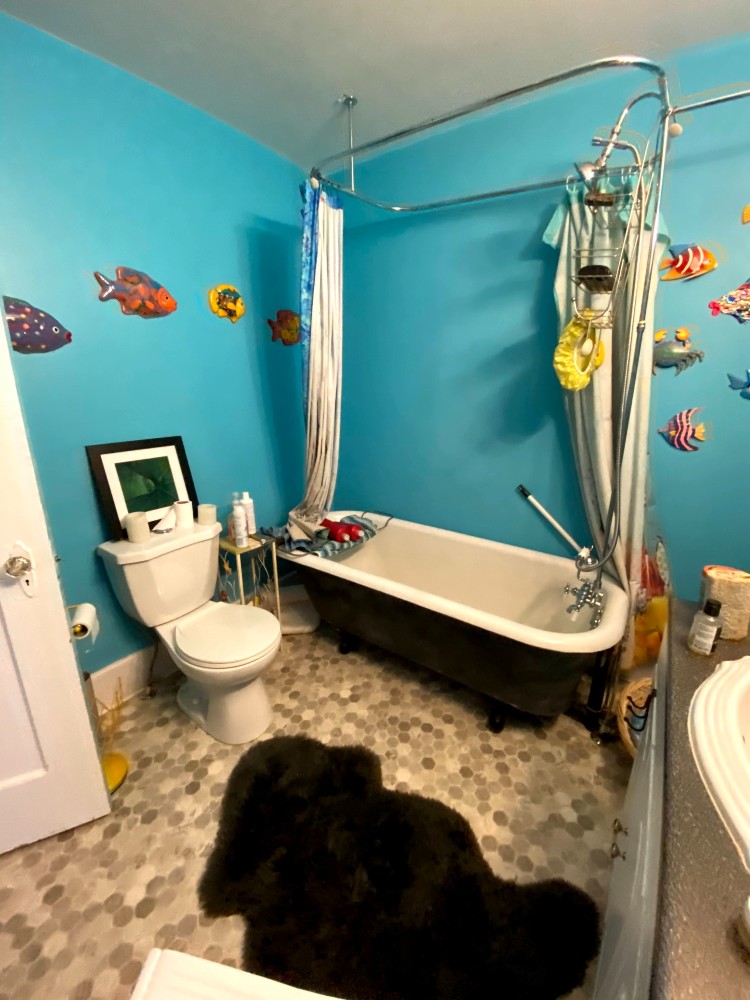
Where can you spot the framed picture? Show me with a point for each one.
(144, 476)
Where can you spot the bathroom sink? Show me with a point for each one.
(719, 728)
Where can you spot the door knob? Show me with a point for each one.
(17, 566)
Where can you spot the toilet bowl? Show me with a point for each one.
(222, 649)
(166, 583)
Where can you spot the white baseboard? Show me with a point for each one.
(132, 672)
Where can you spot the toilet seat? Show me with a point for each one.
(168, 975)
(227, 635)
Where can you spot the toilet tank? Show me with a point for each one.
(166, 577)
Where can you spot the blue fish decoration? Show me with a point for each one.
(33, 331)
(680, 430)
(743, 384)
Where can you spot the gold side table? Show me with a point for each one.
(255, 543)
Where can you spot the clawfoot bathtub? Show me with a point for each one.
(486, 614)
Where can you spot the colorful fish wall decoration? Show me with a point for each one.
(137, 293)
(226, 302)
(746, 215)
(285, 327)
(687, 260)
(680, 431)
(742, 383)
(33, 331)
(676, 353)
(735, 303)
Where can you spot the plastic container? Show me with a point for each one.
(706, 629)
(239, 525)
(249, 508)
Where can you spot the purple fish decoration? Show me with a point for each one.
(735, 303)
(680, 430)
(33, 331)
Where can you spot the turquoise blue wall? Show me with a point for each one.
(702, 496)
(99, 169)
(450, 399)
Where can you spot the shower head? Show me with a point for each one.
(588, 172)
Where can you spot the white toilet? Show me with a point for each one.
(167, 583)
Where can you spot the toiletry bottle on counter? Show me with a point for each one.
(249, 507)
(706, 629)
(239, 524)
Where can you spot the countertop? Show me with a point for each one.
(703, 882)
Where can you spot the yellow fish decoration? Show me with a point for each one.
(226, 302)
(746, 214)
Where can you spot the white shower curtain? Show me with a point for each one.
(593, 412)
(323, 386)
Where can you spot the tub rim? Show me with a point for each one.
(608, 634)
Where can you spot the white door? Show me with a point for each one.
(50, 776)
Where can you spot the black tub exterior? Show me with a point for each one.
(538, 681)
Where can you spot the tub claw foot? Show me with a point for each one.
(348, 643)
(498, 716)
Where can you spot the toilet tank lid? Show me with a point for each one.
(157, 545)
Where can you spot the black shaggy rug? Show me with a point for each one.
(355, 891)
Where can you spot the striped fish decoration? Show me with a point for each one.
(680, 430)
(687, 260)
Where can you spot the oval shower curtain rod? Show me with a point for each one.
(612, 62)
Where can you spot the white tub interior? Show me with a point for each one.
(508, 590)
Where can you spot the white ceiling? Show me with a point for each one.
(274, 68)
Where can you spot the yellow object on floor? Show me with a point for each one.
(579, 352)
(115, 767)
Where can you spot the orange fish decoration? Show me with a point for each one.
(285, 327)
(137, 293)
(746, 215)
(687, 260)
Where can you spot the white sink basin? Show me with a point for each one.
(719, 727)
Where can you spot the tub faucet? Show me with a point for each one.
(586, 594)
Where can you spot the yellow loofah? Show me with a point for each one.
(573, 365)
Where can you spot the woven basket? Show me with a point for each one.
(635, 692)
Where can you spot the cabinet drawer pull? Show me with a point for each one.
(615, 852)
(617, 827)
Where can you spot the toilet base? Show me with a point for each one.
(231, 715)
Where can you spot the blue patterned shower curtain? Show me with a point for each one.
(311, 199)
(321, 307)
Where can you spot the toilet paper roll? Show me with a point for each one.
(184, 513)
(732, 588)
(85, 622)
(206, 513)
(136, 527)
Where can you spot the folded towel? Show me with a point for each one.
(320, 544)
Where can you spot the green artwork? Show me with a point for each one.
(147, 483)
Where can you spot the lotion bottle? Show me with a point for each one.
(249, 508)
(239, 524)
(706, 629)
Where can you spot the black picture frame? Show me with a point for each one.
(146, 475)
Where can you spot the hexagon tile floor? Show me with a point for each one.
(79, 912)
